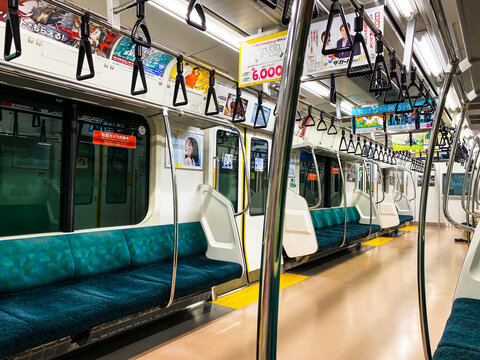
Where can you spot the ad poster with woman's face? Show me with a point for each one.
(187, 150)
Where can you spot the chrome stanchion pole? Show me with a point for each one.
(298, 32)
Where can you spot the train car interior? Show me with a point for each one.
(239, 179)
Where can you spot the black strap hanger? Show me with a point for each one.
(358, 147)
(354, 125)
(270, 3)
(141, 24)
(260, 111)
(138, 69)
(322, 126)
(351, 145)
(417, 120)
(197, 5)
(359, 39)
(366, 149)
(332, 130)
(12, 32)
(414, 86)
(377, 84)
(336, 9)
(85, 50)
(333, 89)
(15, 124)
(395, 80)
(410, 139)
(43, 131)
(343, 142)
(376, 154)
(239, 111)
(309, 117)
(180, 84)
(212, 94)
(371, 153)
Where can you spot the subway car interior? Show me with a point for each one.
(239, 179)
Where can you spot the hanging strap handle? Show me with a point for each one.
(359, 39)
(270, 3)
(358, 147)
(354, 125)
(141, 24)
(309, 117)
(332, 130)
(333, 89)
(351, 145)
(180, 84)
(85, 49)
(138, 69)
(197, 5)
(336, 9)
(366, 149)
(285, 16)
(322, 126)
(343, 142)
(212, 94)
(395, 80)
(43, 131)
(377, 84)
(239, 112)
(12, 32)
(260, 111)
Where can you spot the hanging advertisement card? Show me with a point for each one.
(316, 62)
(187, 150)
(369, 124)
(261, 59)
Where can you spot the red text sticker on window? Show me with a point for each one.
(113, 139)
(313, 177)
(335, 170)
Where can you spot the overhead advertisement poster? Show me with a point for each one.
(261, 59)
(316, 62)
(369, 124)
(58, 25)
(402, 142)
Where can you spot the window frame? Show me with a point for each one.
(257, 139)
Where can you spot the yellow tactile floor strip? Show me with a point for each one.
(249, 295)
(409, 228)
(378, 241)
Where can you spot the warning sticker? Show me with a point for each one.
(112, 139)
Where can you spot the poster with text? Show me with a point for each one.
(316, 62)
(187, 150)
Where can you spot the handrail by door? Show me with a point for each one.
(175, 205)
(344, 200)
(466, 205)
(413, 185)
(369, 180)
(318, 181)
(383, 186)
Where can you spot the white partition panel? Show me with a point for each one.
(387, 212)
(469, 282)
(298, 232)
(361, 201)
(403, 206)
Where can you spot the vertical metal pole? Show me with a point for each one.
(168, 135)
(340, 166)
(317, 205)
(298, 32)
(423, 213)
(369, 180)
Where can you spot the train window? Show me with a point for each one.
(456, 183)
(308, 178)
(85, 174)
(360, 177)
(227, 155)
(258, 176)
(117, 176)
(336, 184)
(30, 165)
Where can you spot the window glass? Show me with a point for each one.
(30, 165)
(258, 176)
(308, 178)
(227, 155)
(116, 177)
(336, 184)
(456, 183)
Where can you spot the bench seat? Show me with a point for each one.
(329, 227)
(60, 286)
(405, 218)
(461, 337)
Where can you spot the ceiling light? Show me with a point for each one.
(215, 29)
(346, 107)
(404, 7)
(428, 56)
(316, 89)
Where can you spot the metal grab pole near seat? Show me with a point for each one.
(175, 205)
(318, 181)
(413, 185)
(448, 176)
(344, 199)
(466, 204)
(383, 189)
(298, 31)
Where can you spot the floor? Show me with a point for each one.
(360, 306)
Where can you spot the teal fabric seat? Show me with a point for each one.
(405, 218)
(461, 337)
(329, 227)
(59, 286)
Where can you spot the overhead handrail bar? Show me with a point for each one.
(344, 200)
(359, 39)
(12, 32)
(85, 49)
(197, 5)
(138, 69)
(141, 24)
(317, 171)
(180, 84)
(211, 93)
(298, 32)
(173, 176)
(239, 111)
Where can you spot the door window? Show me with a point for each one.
(258, 176)
(227, 155)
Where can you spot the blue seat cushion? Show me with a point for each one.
(461, 337)
(27, 263)
(194, 273)
(405, 218)
(149, 244)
